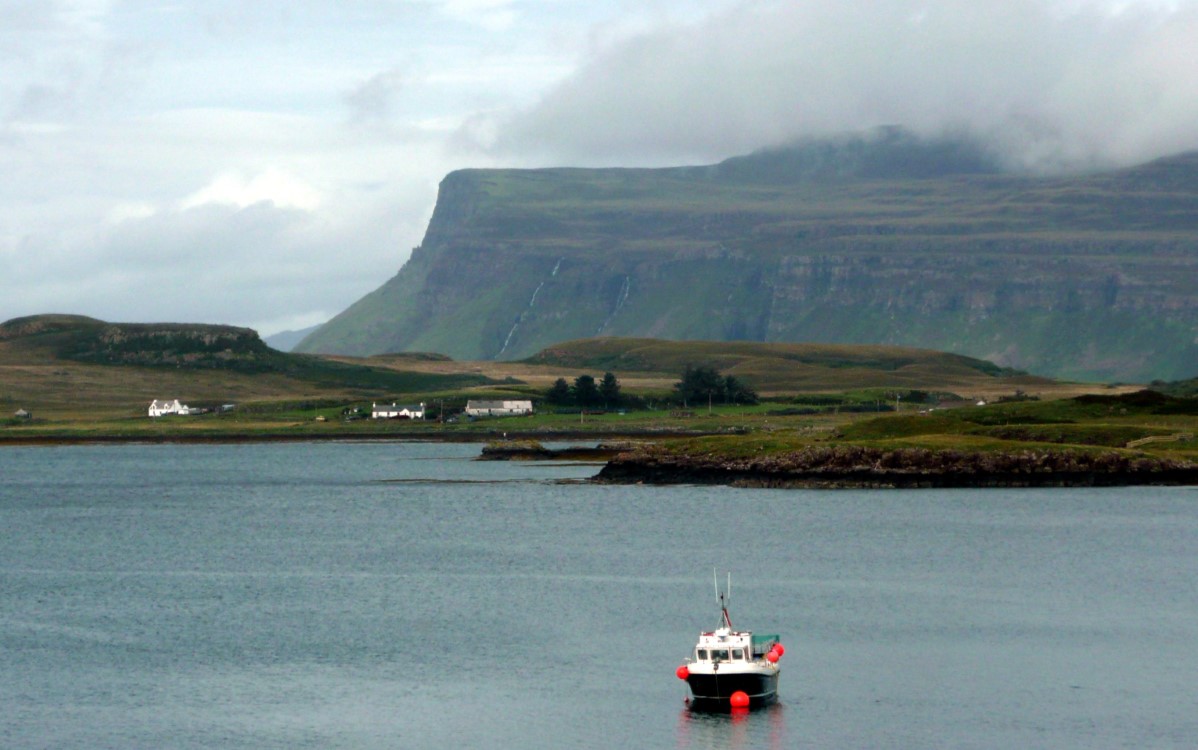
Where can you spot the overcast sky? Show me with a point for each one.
(268, 163)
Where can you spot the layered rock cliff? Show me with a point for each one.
(880, 240)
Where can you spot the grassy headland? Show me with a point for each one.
(1133, 438)
(81, 378)
(829, 415)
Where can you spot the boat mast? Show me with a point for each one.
(724, 597)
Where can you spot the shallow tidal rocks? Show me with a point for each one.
(861, 466)
(533, 450)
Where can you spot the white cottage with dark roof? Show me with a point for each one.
(397, 411)
(162, 408)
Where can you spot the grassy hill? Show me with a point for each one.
(72, 365)
(888, 240)
(77, 369)
(787, 368)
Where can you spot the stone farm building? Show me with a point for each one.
(497, 408)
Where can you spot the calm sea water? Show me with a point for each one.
(404, 596)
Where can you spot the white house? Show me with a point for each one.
(397, 411)
(159, 408)
(497, 408)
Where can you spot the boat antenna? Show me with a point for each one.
(724, 597)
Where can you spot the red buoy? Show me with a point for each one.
(682, 672)
(773, 657)
(778, 647)
(739, 699)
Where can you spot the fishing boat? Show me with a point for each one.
(732, 668)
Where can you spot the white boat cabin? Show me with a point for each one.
(725, 645)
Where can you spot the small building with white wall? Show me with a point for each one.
(162, 408)
(498, 408)
(397, 411)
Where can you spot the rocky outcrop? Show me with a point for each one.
(532, 450)
(83, 339)
(156, 344)
(857, 466)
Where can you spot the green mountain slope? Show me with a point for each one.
(182, 348)
(882, 240)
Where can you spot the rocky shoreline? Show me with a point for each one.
(847, 466)
(532, 450)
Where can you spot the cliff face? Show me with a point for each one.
(889, 241)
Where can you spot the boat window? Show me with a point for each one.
(737, 653)
(702, 654)
(719, 654)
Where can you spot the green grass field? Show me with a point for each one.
(813, 392)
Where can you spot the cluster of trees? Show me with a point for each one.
(705, 385)
(586, 392)
(699, 385)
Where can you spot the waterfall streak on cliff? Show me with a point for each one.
(531, 301)
(508, 340)
(621, 298)
(520, 318)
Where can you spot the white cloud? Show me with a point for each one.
(123, 212)
(1065, 83)
(282, 157)
(374, 100)
(272, 186)
(493, 15)
(290, 220)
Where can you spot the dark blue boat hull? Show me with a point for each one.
(716, 689)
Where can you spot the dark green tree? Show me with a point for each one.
(585, 391)
(699, 385)
(738, 392)
(609, 390)
(560, 393)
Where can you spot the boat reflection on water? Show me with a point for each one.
(733, 728)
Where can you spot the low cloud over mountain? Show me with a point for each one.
(1053, 85)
